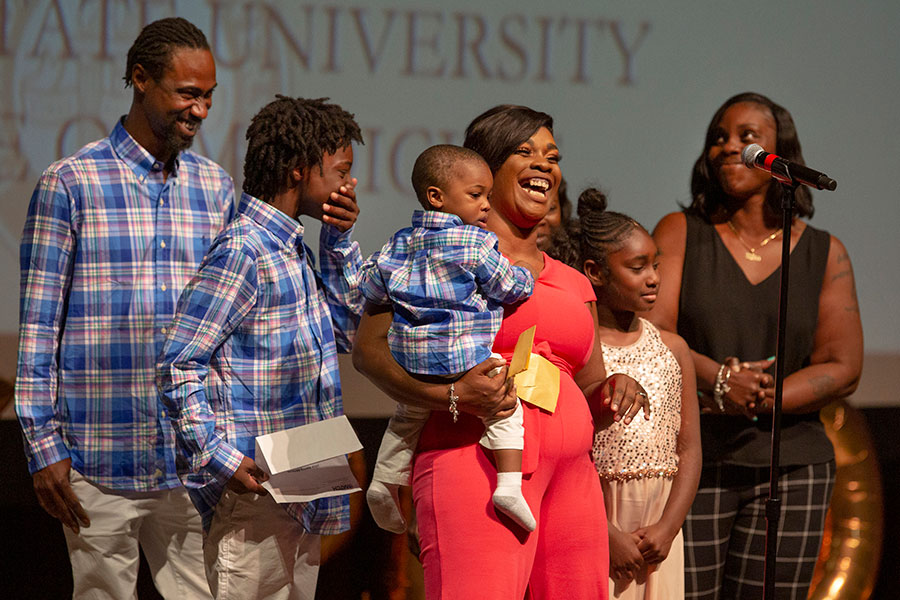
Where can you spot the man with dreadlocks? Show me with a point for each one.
(253, 348)
(113, 234)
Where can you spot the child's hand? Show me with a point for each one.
(535, 272)
(655, 542)
(625, 560)
(341, 210)
(625, 397)
(247, 478)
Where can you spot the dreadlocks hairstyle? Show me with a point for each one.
(595, 235)
(495, 133)
(289, 133)
(706, 193)
(154, 45)
(435, 167)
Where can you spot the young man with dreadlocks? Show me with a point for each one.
(253, 348)
(113, 234)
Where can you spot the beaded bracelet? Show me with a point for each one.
(721, 387)
(453, 399)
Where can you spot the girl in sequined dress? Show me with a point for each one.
(650, 470)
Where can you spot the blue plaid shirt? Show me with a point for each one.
(253, 350)
(447, 283)
(108, 245)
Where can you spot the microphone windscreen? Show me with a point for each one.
(749, 154)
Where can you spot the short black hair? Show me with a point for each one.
(293, 132)
(434, 167)
(154, 46)
(496, 133)
(595, 235)
(707, 196)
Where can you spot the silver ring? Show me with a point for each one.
(644, 394)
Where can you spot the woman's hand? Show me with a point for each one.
(749, 386)
(655, 542)
(625, 560)
(484, 394)
(478, 392)
(625, 397)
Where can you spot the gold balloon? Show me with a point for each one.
(851, 547)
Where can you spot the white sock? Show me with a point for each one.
(509, 500)
(384, 504)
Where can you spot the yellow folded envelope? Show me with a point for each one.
(537, 379)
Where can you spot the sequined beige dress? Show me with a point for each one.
(638, 461)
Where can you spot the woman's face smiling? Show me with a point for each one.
(742, 124)
(524, 182)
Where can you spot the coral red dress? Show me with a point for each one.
(468, 551)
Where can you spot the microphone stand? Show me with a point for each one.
(773, 502)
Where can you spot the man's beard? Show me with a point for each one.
(175, 142)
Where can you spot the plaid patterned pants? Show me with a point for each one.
(725, 531)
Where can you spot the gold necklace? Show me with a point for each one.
(751, 254)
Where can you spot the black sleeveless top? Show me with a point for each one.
(722, 314)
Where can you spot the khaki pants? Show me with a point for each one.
(254, 549)
(105, 556)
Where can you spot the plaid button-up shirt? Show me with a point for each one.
(108, 245)
(253, 350)
(447, 283)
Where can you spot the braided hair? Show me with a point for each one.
(595, 235)
(289, 133)
(154, 46)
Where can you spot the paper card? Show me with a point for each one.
(331, 477)
(309, 462)
(539, 384)
(522, 353)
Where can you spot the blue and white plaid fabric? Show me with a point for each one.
(253, 350)
(108, 245)
(447, 283)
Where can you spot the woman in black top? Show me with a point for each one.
(720, 268)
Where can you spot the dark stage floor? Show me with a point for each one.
(34, 563)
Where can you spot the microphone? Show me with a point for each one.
(785, 171)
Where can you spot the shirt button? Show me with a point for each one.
(163, 287)
(163, 414)
(164, 331)
(162, 202)
(162, 244)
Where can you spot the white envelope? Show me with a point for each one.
(310, 461)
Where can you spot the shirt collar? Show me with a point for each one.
(289, 231)
(433, 219)
(134, 155)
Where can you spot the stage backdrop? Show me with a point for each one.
(631, 85)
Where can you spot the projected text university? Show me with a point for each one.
(413, 45)
(409, 42)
